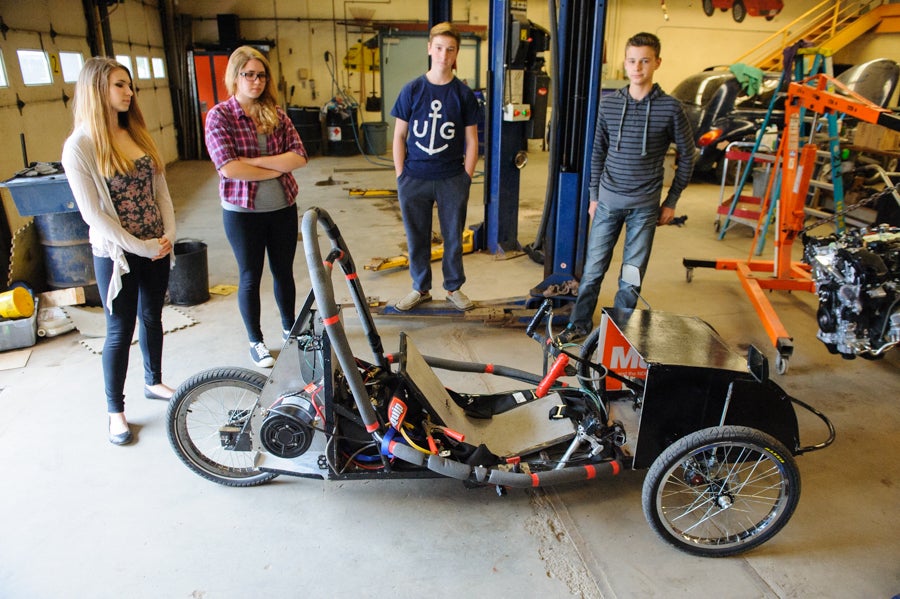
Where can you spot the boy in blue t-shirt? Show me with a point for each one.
(435, 151)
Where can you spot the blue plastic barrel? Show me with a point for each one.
(68, 260)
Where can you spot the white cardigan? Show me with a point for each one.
(108, 238)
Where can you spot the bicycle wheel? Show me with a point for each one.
(205, 418)
(721, 491)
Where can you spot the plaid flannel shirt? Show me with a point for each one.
(230, 134)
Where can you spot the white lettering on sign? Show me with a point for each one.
(622, 360)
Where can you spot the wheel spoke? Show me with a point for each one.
(723, 495)
(209, 402)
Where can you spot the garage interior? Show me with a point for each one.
(89, 519)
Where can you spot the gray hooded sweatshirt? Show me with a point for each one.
(630, 144)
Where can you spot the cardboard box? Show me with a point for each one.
(19, 332)
(876, 137)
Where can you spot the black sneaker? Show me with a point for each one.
(571, 334)
(260, 355)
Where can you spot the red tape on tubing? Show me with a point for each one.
(331, 320)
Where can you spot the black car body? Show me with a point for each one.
(720, 111)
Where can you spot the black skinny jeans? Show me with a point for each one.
(253, 235)
(143, 293)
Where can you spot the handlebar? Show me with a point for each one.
(539, 317)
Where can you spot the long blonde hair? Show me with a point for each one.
(263, 110)
(92, 111)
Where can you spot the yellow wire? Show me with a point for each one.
(413, 445)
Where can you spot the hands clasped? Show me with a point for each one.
(165, 248)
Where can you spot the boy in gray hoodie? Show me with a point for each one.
(635, 127)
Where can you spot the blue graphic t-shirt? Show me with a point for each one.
(438, 116)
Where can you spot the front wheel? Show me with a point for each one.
(721, 491)
(708, 8)
(208, 425)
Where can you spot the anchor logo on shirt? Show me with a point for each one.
(446, 130)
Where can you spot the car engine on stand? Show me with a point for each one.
(857, 276)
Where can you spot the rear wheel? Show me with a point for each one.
(208, 425)
(721, 491)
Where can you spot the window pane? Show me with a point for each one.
(159, 68)
(125, 61)
(35, 67)
(143, 67)
(4, 82)
(71, 63)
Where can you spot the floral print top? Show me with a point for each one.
(132, 195)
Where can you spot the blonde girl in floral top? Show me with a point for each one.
(118, 180)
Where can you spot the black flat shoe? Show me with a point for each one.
(151, 395)
(121, 438)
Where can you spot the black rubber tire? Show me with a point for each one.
(200, 407)
(708, 8)
(721, 491)
(738, 11)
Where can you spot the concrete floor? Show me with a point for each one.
(86, 519)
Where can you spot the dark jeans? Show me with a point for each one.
(640, 228)
(417, 199)
(143, 293)
(253, 235)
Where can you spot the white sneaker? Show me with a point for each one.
(260, 355)
(460, 300)
(412, 299)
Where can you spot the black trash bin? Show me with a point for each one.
(189, 279)
(375, 138)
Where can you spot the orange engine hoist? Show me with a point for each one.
(795, 162)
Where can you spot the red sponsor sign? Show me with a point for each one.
(618, 355)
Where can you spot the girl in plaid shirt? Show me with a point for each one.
(255, 147)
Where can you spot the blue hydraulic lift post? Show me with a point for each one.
(580, 46)
(504, 140)
(439, 11)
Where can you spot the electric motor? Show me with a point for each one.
(287, 429)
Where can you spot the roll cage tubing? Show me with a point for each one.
(323, 290)
(320, 271)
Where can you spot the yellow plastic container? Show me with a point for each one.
(16, 303)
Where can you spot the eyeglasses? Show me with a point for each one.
(254, 76)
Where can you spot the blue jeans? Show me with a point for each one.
(253, 235)
(143, 293)
(417, 199)
(640, 226)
